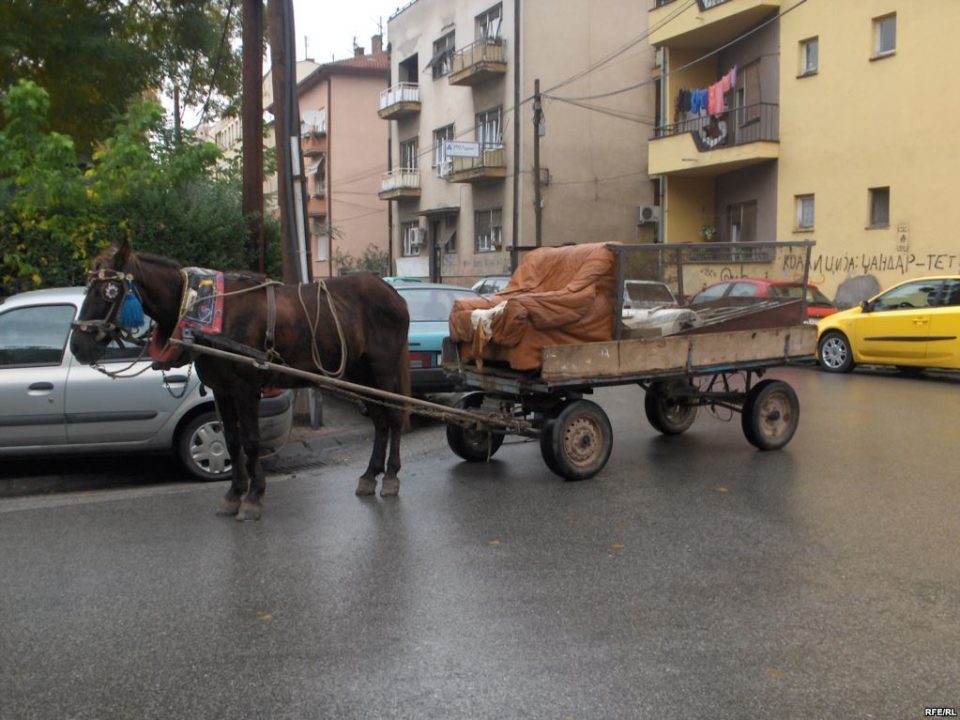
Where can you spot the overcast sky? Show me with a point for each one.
(330, 27)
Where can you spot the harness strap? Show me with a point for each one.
(269, 342)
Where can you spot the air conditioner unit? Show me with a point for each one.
(417, 237)
(648, 214)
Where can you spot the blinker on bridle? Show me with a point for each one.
(116, 287)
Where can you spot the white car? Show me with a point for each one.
(52, 403)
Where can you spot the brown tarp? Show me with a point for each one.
(557, 295)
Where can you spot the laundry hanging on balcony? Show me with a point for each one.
(710, 99)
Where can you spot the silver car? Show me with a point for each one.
(52, 403)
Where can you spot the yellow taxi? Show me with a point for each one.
(913, 325)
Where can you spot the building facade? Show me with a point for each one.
(473, 181)
(816, 131)
(344, 147)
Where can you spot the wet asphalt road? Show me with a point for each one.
(695, 577)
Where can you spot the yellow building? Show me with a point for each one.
(833, 127)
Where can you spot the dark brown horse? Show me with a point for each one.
(369, 317)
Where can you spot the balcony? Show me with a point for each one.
(713, 145)
(489, 164)
(478, 62)
(399, 101)
(706, 23)
(313, 141)
(400, 184)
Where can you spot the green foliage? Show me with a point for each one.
(95, 57)
(373, 259)
(164, 197)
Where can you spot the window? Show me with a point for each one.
(489, 230)
(317, 174)
(805, 212)
(488, 130)
(410, 237)
(318, 229)
(743, 222)
(907, 296)
(489, 22)
(884, 36)
(809, 56)
(880, 207)
(442, 164)
(409, 149)
(35, 335)
(450, 235)
(442, 55)
(748, 93)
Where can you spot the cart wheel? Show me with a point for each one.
(770, 414)
(667, 413)
(473, 445)
(577, 444)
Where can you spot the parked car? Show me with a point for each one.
(491, 285)
(52, 403)
(818, 304)
(913, 325)
(642, 294)
(430, 305)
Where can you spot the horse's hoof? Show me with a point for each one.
(228, 507)
(390, 487)
(249, 511)
(366, 486)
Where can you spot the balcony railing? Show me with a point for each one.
(479, 61)
(400, 183)
(737, 126)
(490, 164)
(399, 100)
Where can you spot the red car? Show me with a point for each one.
(818, 304)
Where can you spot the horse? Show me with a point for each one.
(356, 324)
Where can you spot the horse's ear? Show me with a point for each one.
(122, 256)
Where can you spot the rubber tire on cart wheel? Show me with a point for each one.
(577, 444)
(470, 444)
(665, 413)
(771, 414)
(835, 353)
(202, 449)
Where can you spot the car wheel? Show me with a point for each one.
(202, 448)
(836, 354)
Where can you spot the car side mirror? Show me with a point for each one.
(865, 306)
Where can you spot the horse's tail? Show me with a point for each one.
(405, 381)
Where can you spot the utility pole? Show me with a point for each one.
(290, 190)
(251, 114)
(515, 223)
(537, 120)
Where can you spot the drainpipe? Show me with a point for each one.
(514, 252)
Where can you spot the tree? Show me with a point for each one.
(94, 57)
(165, 197)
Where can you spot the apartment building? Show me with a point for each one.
(344, 147)
(806, 119)
(473, 181)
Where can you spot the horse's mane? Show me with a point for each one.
(237, 275)
(158, 260)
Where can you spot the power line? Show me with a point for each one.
(642, 83)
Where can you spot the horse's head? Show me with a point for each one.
(111, 304)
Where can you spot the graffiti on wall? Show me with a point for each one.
(865, 264)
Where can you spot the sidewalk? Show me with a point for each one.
(342, 426)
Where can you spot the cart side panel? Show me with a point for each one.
(678, 353)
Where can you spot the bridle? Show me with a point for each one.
(114, 287)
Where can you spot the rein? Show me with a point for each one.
(322, 287)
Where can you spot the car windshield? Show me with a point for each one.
(432, 304)
(652, 292)
(814, 296)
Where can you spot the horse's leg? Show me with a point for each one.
(391, 480)
(367, 485)
(227, 409)
(248, 410)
